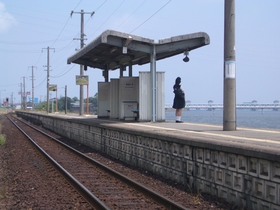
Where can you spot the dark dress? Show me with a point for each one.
(179, 99)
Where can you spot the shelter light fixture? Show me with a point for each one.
(126, 43)
(186, 58)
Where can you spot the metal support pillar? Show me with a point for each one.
(130, 70)
(81, 111)
(122, 69)
(65, 99)
(153, 81)
(106, 75)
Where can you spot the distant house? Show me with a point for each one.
(75, 107)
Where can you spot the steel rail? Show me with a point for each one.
(152, 194)
(91, 198)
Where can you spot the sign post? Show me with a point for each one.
(83, 80)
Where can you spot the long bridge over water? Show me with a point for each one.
(212, 106)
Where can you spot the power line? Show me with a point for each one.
(61, 31)
(39, 58)
(31, 43)
(67, 70)
(150, 16)
(78, 4)
(65, 25)
(41, 82)
(18, 51)
(132, 13)
(96, 11)
(109, 16)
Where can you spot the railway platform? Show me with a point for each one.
(241, 166)
(257, 139)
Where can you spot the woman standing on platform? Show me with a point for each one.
(179, 100)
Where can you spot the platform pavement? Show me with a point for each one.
(264, 140)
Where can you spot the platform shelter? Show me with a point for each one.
(128, 97)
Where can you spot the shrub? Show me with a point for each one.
(2, 139)
(2, 136)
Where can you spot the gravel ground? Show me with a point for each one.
(17, 190)
(27, 180)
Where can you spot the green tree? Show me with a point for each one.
(93, 100)
(41, 106)
(93, 103)
(74, 99)
(61, 103)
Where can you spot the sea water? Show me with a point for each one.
(266, 119)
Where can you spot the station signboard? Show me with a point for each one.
(52, 87)
(81, 80)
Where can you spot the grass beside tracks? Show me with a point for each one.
(2, 136)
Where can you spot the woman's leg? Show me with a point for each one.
(178, 114)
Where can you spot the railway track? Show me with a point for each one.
(102, 187)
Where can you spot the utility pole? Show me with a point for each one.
(12, 100)
(65, 99)
(1, 102)
(32, 78)
(229, 110)
(82, 38)
(21, 102)
(24, 94)
(48, 76)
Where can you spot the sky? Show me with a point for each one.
(28, 27)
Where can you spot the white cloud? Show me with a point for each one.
(6, 19)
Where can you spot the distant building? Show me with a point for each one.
(276, 102)
(29, 105)
(75, 107)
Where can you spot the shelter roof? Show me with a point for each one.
(113, 49)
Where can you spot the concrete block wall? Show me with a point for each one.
(249, 181)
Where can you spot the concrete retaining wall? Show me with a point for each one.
(249, 179)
